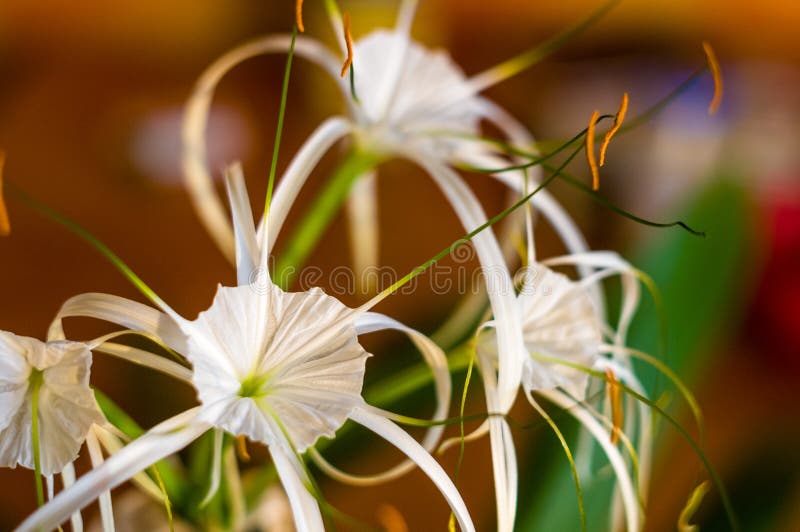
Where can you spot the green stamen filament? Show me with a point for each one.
(36, 380)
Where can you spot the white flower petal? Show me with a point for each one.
(96, 457)
(125, 312)
(363, 227)
(161, 441)
(307, 517)
(243, 225)
(67, 408)
(560, 321)
(303, 359)
(295, 176)
(603, 437)
(499, 285)
(14, 374)
(198, 178)
(146, 359)
(67, 480)
(435, 358)
(429, 94)
(399, 438)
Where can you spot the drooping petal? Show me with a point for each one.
(307, 516)
(559, 321)
(14, 374)
(603, 437)
(96, 457)
(399, 438)
(499, 285)
(161, 441)
(295, 176)
(125, 312)
(435, 358)
(543, 201)
(198, 178)
(67, 408)
(363, 226)
(68, 479)
(146, 359)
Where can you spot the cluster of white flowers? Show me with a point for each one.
(283, 368)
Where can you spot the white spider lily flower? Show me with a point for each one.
(564, 334)
(282, 369)
(54, 376)
(413, 103)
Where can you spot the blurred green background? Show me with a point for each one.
(91, 96)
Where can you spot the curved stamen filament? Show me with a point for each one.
(348, 39)
(716, 73)
(620, 116)
(590, 151)
(298, 12)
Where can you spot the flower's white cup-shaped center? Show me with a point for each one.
(58, 372)
(561, 330)
(409, 93)
(268, 360)
(560, 322)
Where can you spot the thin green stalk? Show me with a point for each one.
(497, 218)
(279, 128)
(36, 379)
(90, 239)
(527, 59)
(173, 481)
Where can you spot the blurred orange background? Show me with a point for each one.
(91, 96)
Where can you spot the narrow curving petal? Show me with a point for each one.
(363, 228)
(96, 457)
(295, 176)
(399, 438)
(163, 440)
(543, 201)
(146, 359)
(244, 227)
(307, 516)
(125, 312)
(504, 459)
(603, 437)
(197, 176)
(499, 284)
(435, 358)
(67, 480)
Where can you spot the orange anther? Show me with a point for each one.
(716, 73)
(298, 11)
(348, 39)
(623, 108)
(615, 398)
(590, 151)
(5, 226)
(241, 448)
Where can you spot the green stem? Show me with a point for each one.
(279, 128)
(36, 379)
(304, 239)
(165, 472)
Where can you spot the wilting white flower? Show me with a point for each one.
(58, 374)
(282, 369)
